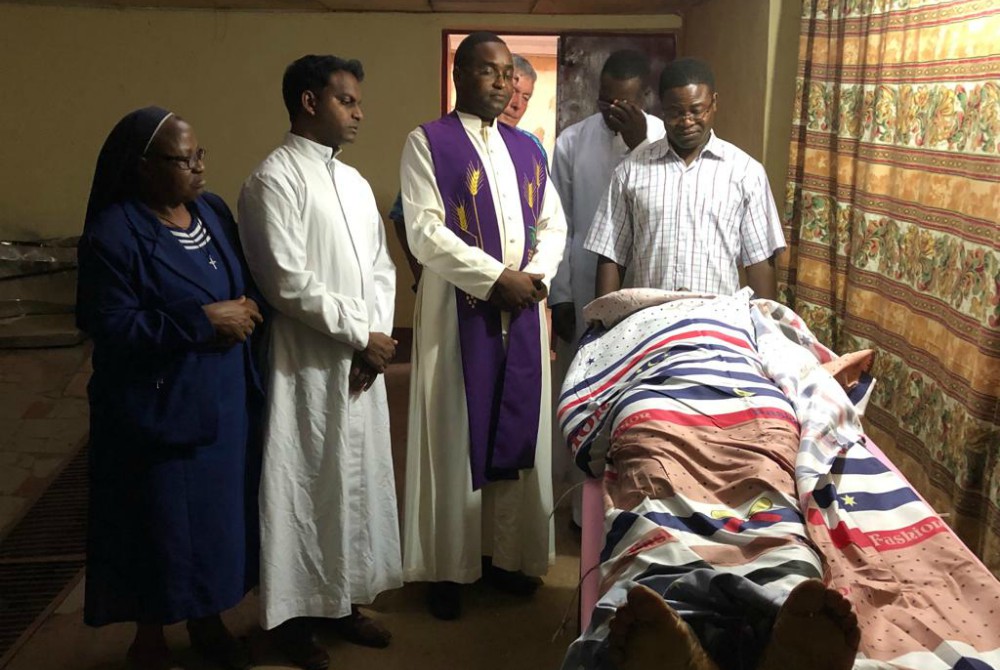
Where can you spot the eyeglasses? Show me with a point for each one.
(494, 73)
(186, 162)
(676, 115)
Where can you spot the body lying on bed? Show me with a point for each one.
(737, 473)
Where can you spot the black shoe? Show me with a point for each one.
(515, 583)
(362, 630)
(295, 640)
(444, 600)
(213, 641)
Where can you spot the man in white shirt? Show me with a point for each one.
(489, 235)
(586, 154)
(316, 247)
(684, 212)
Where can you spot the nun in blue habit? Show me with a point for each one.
(164, 292)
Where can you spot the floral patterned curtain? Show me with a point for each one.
(892, 211)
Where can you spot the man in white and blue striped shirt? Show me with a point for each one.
(684, 212)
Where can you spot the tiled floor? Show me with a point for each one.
(496, 632)
(43, 420)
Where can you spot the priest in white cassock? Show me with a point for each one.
(316, 247)
(586, 154)
(489, 232)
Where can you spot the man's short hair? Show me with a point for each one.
(463, 54)
(684, 72)
(626, 64)
(312, 73)
(523, 65)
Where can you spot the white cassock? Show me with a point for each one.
(448, 526)
(585, 156)
(316, 247)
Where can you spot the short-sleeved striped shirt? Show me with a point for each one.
(687, 227)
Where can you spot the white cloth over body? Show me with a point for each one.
(447, 525)
(585, 157)
(316, 247)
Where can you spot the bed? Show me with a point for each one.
(657, 403)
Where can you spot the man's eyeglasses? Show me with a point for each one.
(186, 162)
(676, 115)
(495, 73)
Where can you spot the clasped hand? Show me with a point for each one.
(362, 374)
(233, 320)
(370, 362)
(515, 290)
(379, 351)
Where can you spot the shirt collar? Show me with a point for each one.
(473, 123)
(311, 149)
(714, 148)
(602, 125)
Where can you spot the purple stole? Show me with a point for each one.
(503, 389)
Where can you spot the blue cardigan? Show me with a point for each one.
(140, 297)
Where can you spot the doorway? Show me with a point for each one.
(539, 50)
(568, 67)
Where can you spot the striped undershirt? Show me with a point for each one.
(195, 237)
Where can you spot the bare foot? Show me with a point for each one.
(646, 634)
(815, 630)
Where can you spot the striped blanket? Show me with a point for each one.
(736, 468)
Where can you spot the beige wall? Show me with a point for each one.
(732, 36)
(68, 74)
(783, 59)
(752, 46)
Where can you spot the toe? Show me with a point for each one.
(624, 617)
(646, 604)
(806, 598)
(837, 603)
(839, 610)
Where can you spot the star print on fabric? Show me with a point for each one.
(849, 501)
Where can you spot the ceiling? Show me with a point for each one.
(463, 6)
